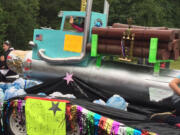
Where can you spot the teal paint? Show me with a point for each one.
(53, 43)
(70, 13)
(53, 40)
(94, 17)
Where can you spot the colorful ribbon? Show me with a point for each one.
(79, 118)
(115, 128)
(90, 123)
(97, 118)
(84, 121)
(73, 117)
(102, 123)
(108, 126)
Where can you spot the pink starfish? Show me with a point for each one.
(68, 78)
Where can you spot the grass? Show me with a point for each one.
(175, 64)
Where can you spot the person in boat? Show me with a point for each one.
(172, 118)
(78, 24)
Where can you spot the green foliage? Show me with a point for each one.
(175, 64)
(49, 10)
(145, 12)
(3, 25)
(19, 18)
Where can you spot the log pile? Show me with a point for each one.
(120, 25)
(110, 41)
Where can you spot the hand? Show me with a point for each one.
(71, 20)
(2, 58)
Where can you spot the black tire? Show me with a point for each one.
(15, 127)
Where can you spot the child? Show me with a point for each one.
(79, 26)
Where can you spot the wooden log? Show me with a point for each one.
(140, 34)
(163, 54)
(177, 34)
(120, 25)
(137, 43)
(176, 48)
(176, 41)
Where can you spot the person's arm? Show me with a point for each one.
(174, 85)
(74, 25)
(77, 28)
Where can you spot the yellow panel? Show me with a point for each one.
(73, 43)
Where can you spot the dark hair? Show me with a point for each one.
(7, 43)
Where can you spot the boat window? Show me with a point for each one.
(74, 23)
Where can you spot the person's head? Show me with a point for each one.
(98, 23)
(6, 45)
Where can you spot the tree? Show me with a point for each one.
(3, 28)
(21, 20)
(176, 13)
(49, 9)
(145, 12)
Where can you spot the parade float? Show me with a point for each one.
(97, 64)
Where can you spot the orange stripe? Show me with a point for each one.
(66, 101)
(102, 123)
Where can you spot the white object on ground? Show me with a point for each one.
(100, 101)
(59, 94)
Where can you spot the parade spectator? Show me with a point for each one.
(172, 118)
(7, 49)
